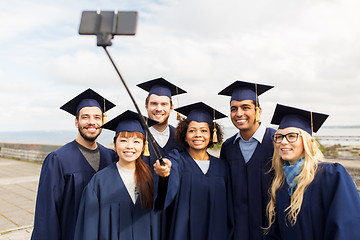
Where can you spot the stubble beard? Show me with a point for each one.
(87, 138)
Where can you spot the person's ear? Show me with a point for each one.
(257, 114)
(76, 122)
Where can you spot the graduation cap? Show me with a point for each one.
(286, 116)
(129, 121)
(200, 112)
(161, 87)
(88, 98)
(240, 90)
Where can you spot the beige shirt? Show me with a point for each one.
(128, 178)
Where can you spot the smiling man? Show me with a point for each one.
(249, 154)
(159, 105)
(68, 170)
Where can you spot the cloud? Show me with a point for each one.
(308, 50)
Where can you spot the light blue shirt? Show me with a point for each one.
(247, 148)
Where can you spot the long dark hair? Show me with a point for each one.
(143, 176)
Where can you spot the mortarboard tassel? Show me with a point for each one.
(178, 116)
(312, 128)
(104, 118)
(146, 150)
(104, 114)
(215, 138)
(257, 109)
(257, 114)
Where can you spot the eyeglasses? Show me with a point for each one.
(290, 137)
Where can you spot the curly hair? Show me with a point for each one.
(182, 127)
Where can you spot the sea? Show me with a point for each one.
(327, 136)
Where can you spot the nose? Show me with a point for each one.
(92, 120)
(282, 140)
(130, 144)
(158, 107)
(239, 112)
(198, 133)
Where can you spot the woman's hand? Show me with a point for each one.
(162, 171)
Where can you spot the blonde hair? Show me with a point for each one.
(313, 156)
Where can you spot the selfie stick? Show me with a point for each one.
(143, 123)
(105, 25)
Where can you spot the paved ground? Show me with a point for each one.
(18, 186)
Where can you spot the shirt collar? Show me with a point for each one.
(258, 135)
(166, 132)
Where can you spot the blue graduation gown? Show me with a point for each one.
(64, 174)
(107, 212)
(250, 182)
(171, 144)
(330, 208)
(196, 205)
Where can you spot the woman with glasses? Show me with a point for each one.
(310, 199)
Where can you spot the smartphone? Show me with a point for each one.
(108, 22)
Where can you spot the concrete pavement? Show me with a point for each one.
(18, 187)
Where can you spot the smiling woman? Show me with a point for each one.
(129, 146)
(310, 199)
(193, 186)
(287, 145)
(122, 193)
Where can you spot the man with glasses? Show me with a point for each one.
(249, 154)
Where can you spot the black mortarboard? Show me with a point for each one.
(286, 116)
(161, 87)
(128, 121)
(240, 90)
(200, 112)
(88, 98)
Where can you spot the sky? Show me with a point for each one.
(309, 50)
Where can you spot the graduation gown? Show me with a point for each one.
(171, 144)
(197, 205)
(250, 182)
(330, 208)
(108, 212)
(64, 174)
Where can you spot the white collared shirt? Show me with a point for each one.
(161, 137)
(248, 147)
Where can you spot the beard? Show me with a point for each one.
(86, 136)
